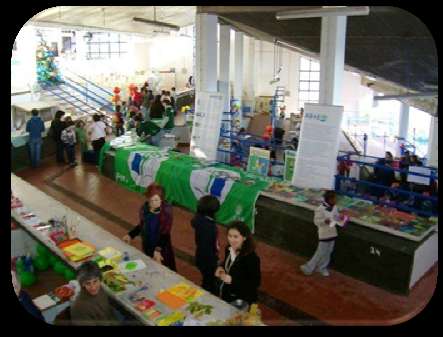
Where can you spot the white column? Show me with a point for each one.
(404, 121)
(332, 57)
(206, 53)
(251, 72)
(238, 80)
(433, 143)
(225, 47)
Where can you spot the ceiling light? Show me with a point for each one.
(323, 12)
(370, 78)
(157, 23)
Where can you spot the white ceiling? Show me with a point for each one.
(117, 17)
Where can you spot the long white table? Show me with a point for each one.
(155, 276)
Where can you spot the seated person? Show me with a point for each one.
(92, 307)
(24, 298)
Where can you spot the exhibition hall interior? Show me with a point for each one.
(224, 165)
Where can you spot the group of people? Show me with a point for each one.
(235, 278)
(142, 107)
(66, 134)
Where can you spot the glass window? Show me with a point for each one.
(309, 84)
(304, 86)
(304, 76)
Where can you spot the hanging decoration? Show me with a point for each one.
(47, 71)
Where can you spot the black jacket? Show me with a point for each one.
(246, 277)
(57, 126)
(206, 256)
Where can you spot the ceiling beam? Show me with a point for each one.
(323, 12)
(419, 95)
(248, 9)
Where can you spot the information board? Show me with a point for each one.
(316, 161)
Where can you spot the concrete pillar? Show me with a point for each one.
(433, 143)
(332, 57)
(225, 47)
(238, 79)
(206, 53)
(404, 121)
(250, 80)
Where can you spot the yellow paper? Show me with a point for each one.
(79, 250)
(185, 291)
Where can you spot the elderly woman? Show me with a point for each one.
(155, 227)
(92, 307)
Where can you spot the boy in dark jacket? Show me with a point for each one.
(206, 255)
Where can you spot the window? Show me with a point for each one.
(309, 85)
(105, 46)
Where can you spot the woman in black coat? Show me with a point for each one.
(57, 126)
(240, 272)
(206, 254)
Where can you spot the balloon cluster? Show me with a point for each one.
(116, 97)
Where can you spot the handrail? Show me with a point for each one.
(387, 168)
(394, 204)
(103, 101)
(92, 99)
(64, 99)
(90, 82)
(74, 98)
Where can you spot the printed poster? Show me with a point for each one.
(316, 161)
(259, 161)
(289, 165)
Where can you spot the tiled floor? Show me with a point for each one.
(286, 296)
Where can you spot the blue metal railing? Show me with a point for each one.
(101, 102)
(89, 82)
(64, 98)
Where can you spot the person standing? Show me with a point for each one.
(57, 126)
(97, 134)
(155, 222)
(324, 217)
(240, 273)
(206, 254)
(35, 127)
(157, 109)
(69, 139)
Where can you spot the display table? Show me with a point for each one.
(185, 179)
(155, 276)
(394, 258)
(376, 257)
(20, 152)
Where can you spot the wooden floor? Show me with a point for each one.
(286, 297)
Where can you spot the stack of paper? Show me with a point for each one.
(78, 251)
(185, 292)
(44, 302)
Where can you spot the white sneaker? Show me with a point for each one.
(324, 272)
(305, 270)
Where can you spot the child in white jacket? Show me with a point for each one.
(325, 218)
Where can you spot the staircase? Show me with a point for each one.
(78, 96)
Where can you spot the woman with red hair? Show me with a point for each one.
(155, 227)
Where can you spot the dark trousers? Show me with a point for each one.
(208, 282)
(60, 154)
(119, 131)
(70, 153)
(97, 145)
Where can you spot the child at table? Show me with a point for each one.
(325, 218)
(206, 254)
